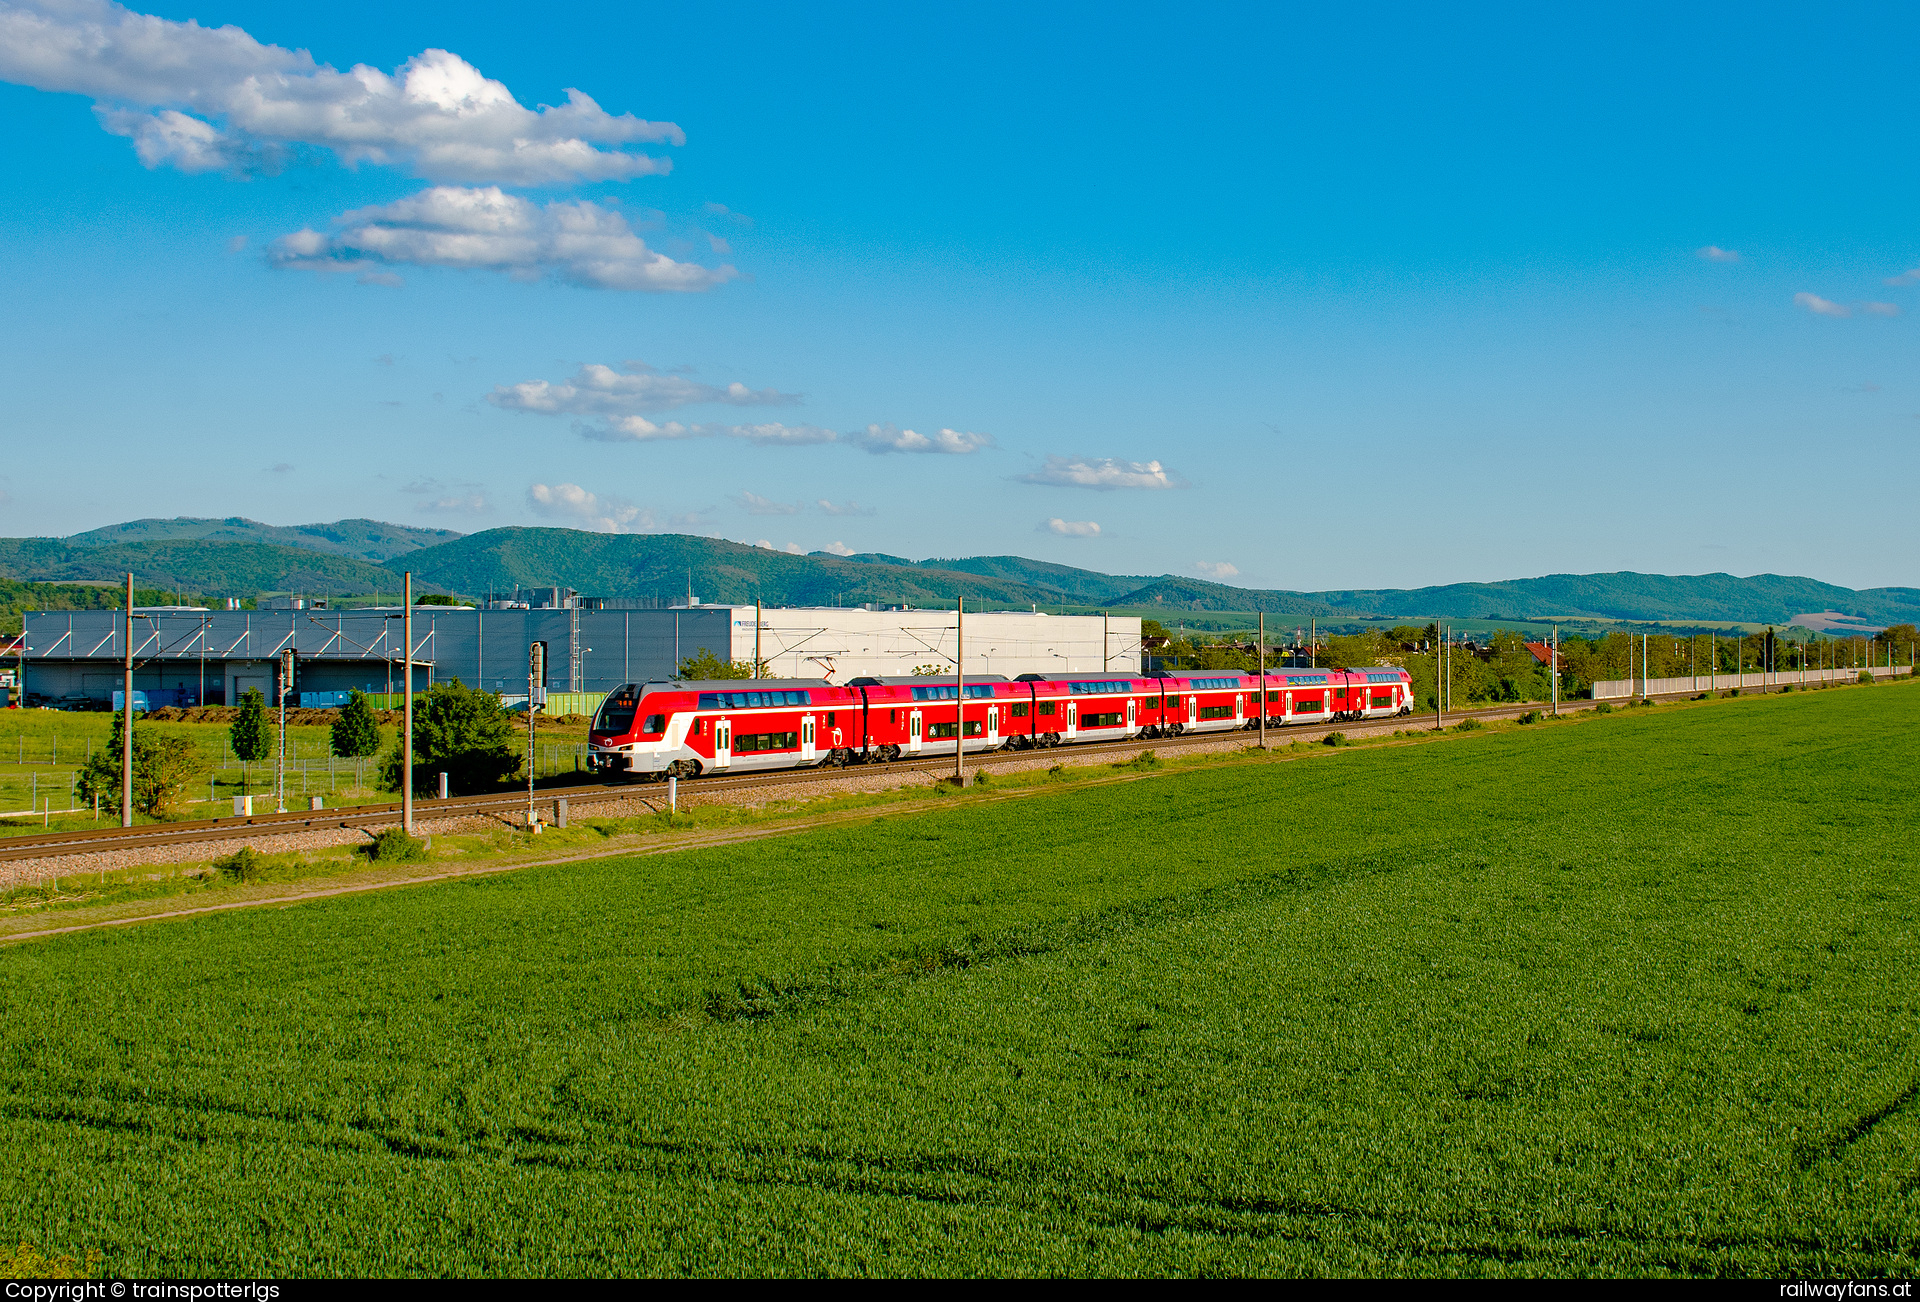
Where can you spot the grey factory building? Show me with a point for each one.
(190, 656)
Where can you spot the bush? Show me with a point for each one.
(1058, 770)
(1735, 691)
(394, 846)
(1866, 676)
(1468, 725)
(1531, 716)
(462, 733)
(162, 769)
(1603, 708)
(1334, 739)
(244, 865)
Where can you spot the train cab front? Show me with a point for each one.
(625, 740)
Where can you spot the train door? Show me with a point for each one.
(1239, 707)
(806, 739)
(722, 743)
(1073, 720)
(1193, 710)
(1133, 716)
(993, 727)
(913, 732)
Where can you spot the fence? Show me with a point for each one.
(1614, 689)
(46, 770)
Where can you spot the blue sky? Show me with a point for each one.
(1294, 299)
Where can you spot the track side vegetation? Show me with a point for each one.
(1629, 996)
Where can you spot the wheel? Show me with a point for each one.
(1053, 739)
(684, 768)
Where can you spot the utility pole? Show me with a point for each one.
(1104, 641)
(960, 695)
(126, 726)
(285, 668)
(756, 637)
(1313, 639)
(1553, 668)
(1260, 662)
(406, 725)
(536, 672)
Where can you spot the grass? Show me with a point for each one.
(1632, 995)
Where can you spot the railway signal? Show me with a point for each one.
(536, 697)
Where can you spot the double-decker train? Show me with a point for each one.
(684, 729)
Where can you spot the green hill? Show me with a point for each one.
(193, 567)
(240, 557)
(1763, 598)
(663, 566)
(368, 540)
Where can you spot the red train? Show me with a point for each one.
(652, 730)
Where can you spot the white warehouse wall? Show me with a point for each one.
(841, 644)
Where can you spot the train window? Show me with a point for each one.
(654, 723)
(974, 729)
(893, 716)
(749, 743)
(616, 715)
(1102, 720)
(1046, 707)
(830, 717)
(1308, 707)
(1216, 711)
(1019, 711)
(1272, 696)
(1340, 692)
(1382, 702)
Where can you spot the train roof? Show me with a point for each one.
(922, 680)
(732, 684)
(1095, 676)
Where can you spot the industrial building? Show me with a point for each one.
(194, 656)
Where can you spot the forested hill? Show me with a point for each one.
(367, 540)
(210, 562)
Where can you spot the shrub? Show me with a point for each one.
(356, 733)
(1334, 739)
(162, 769)
(1866, 676)
(1735, 691)
(462, 733)
(1058, 770)
(981, 777)
(1467, 725)
(244, 865)
(394, 846)
(1531, 716)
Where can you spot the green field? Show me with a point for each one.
(41, 751)
(1633, 994)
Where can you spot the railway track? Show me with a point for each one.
(589, 793)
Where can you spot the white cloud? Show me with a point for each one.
(794, 549)
(629, 389)
(1714, 253)
(1905, 278)
(1102, 473)
(451, 499)
(837, 548)
(1880, 309)
(1069, 528)
(891, 438)
(722, 211)
(845, 508)
(1820, 306)
(1218, 571)
(212, 98)
(486, 229)
(764, 543)
(600, 512)
(754, 504)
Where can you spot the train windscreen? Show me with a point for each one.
(616, 713)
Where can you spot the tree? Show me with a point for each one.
(462, 733)
(705, 664)
(250, 736)
(356, 733)
(162, 769)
